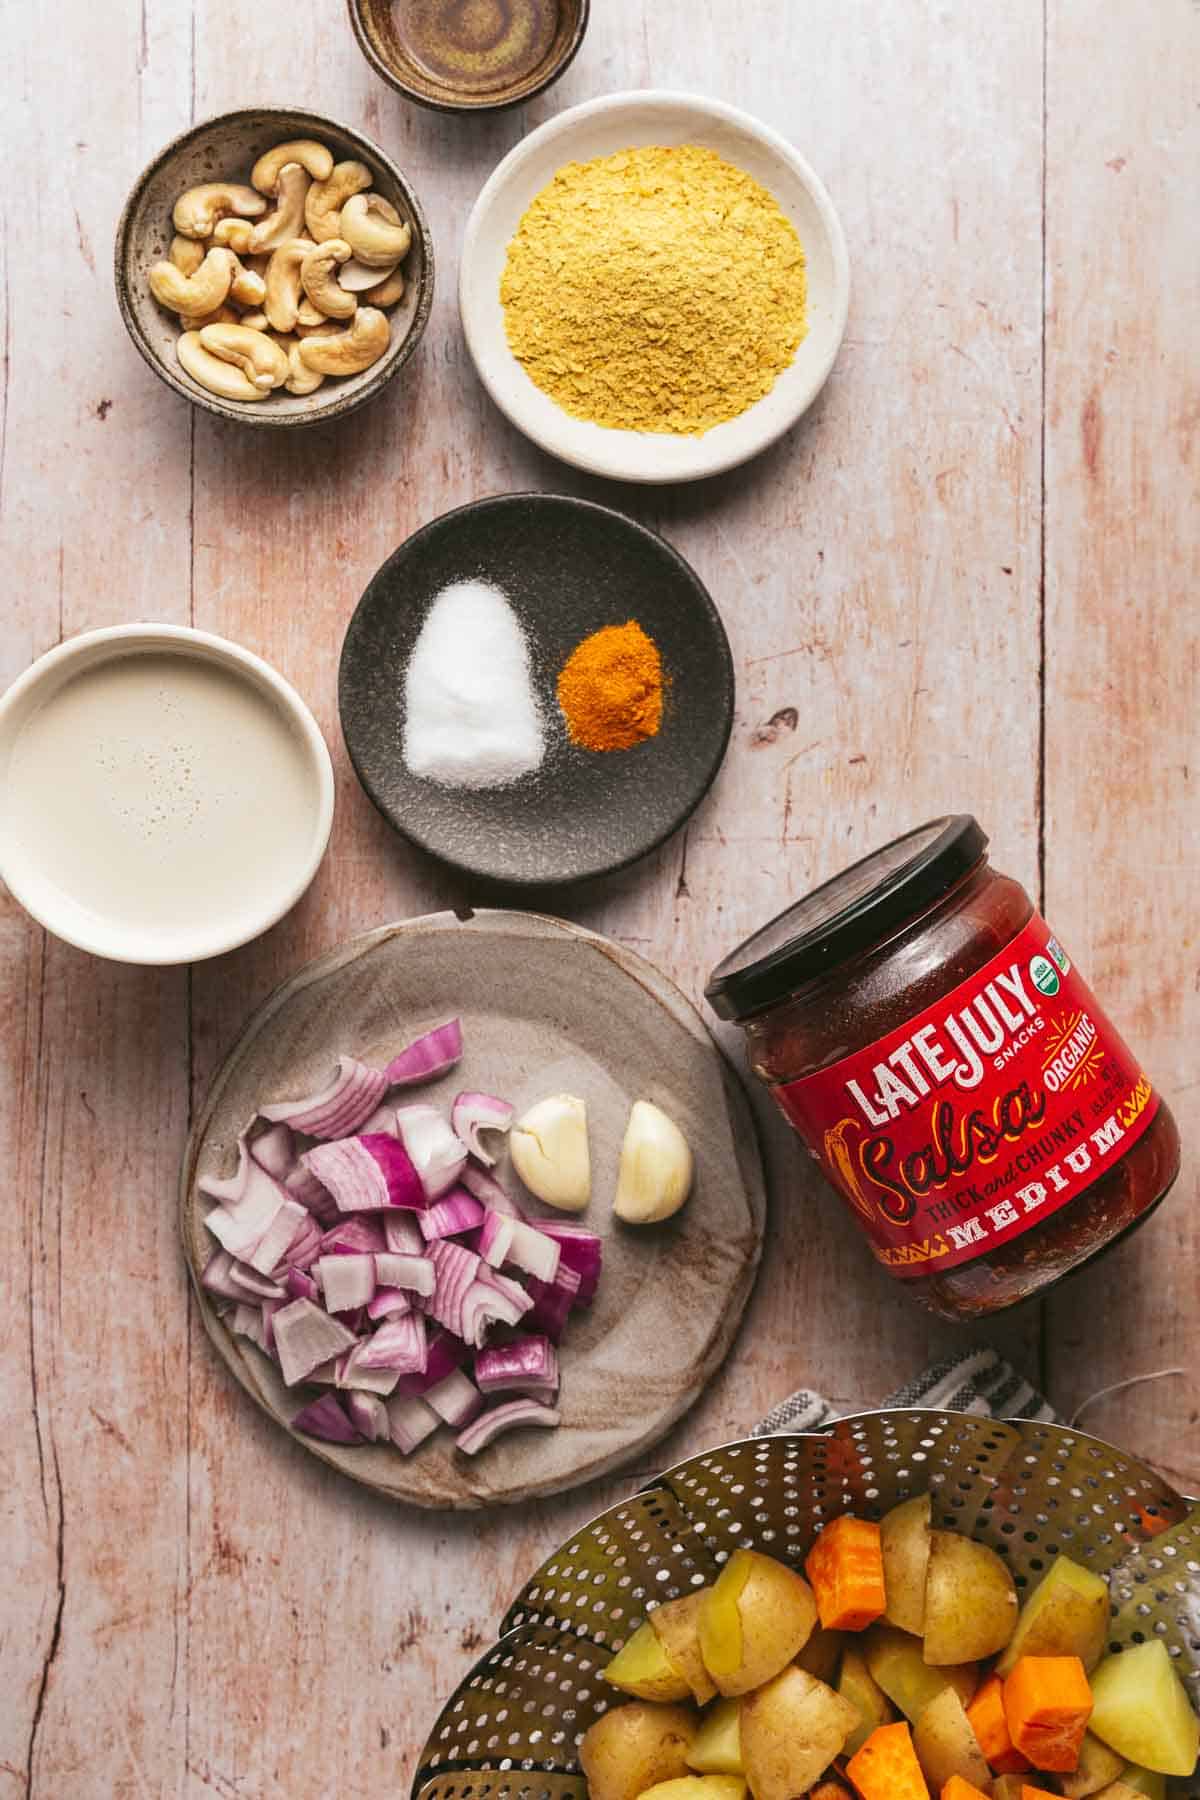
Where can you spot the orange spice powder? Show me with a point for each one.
(611, 688)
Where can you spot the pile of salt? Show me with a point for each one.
(471, 717)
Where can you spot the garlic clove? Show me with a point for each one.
(549, 1149)
(655, 1174)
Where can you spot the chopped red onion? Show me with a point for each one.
(473, 1113)
(218, 1277)
(352, 1373)
(445, 1353)
(365, 1174)
(456, 1269)
(581, 1250)
(283, 1231)
(529, 1365)
(455, 1399)
(251, 1199)
(401, 1233)
(301, 1286)
(552, 1303)
(242, 1276)
(455, 1212)
(534, 1252)
(324, 1418)
(361, 1234)
(400, 1345)
(346, 1282)
(369, 1415)
(410, 1421)
(275, 1151)
(247, 1321)
(304, 1248)
(495, 1238)
(485, 1187)
(413, 1273)
(305, 1336)
(339, 1107)
(427, 1056)
(389, 1302)
(302, 1185)
(485, 1305)
(269, 1308)
(437, 1155)
(488, 1426)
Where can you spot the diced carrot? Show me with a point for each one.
(1047, 1703)
(886, 1768)
(1028, 1793)
(830, 1788)
(986, 1713)
(845, 1567)
(959, 1789)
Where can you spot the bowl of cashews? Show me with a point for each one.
(274, 267)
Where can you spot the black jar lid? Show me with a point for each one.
(859, 908)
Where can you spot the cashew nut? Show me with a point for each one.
(311, 156)
(283, 282)
(386, 292)
(197, 211)
(317, 279)
(302, 329)
(374, 231)
(247, 287)
(202, 292)
(186, 254)
(253, 321)
(235, 234)
(224, 315)
(251, 351)
(218, 377)
(308, 314)
(356, 277)
(287, 221)
(325, 199)
(350, 351)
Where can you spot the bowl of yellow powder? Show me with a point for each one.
(654, 286)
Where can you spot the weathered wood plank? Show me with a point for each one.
(94, 528)
(1123, 676)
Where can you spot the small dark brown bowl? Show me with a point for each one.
(481, 87)
(225, 148)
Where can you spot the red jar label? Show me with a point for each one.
(979, 1117)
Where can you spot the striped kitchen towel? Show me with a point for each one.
(980, 1382)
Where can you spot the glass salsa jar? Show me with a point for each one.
(944, 1062)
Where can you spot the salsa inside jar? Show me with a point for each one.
(944, 1062)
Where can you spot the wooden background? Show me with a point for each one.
(970, 574)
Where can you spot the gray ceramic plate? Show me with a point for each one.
(568, 567)
(546, 1007)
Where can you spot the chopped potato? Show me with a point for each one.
(970, 1601)
(644, 1669)
(857, 1685)
(1142, 1710)
(717, 1746)
(635, 1747)
(905, 1537)
(1066, 1615)
(754, 1620)
(676, 1624)
(897, 1663)
(946, 1744)
(791, 1731)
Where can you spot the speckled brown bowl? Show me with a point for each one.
(490, 81)
(225, 148)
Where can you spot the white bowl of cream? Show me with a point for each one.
(165, 795)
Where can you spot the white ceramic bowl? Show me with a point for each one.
(622, 122)
(165, 795)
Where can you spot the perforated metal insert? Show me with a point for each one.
(1033, 1492)
(1156, 1593)
(524, 1707)
(502, 1784)
(603, 1582)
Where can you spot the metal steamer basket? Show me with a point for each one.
(1031, 1491)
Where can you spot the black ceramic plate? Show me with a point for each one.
(567, 567)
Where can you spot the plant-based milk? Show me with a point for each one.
(163, 793)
